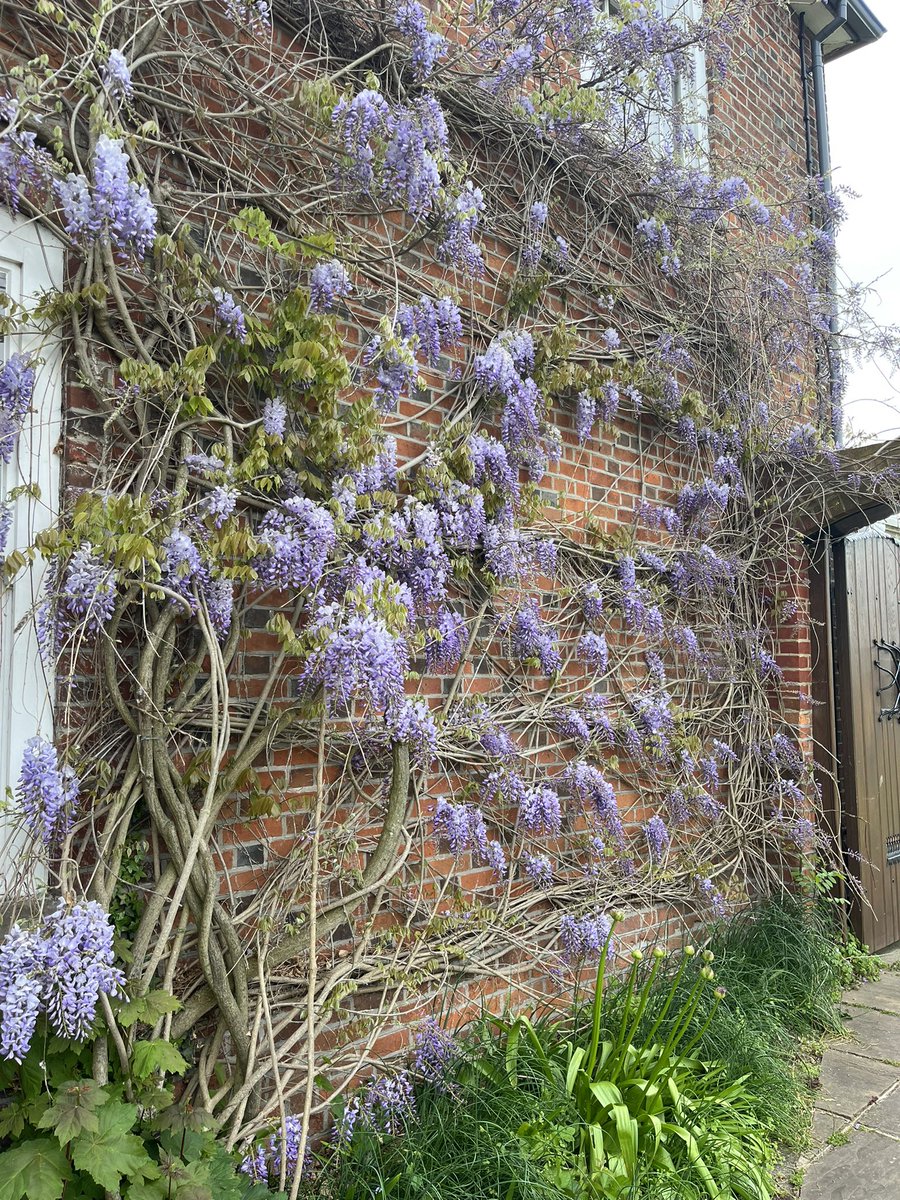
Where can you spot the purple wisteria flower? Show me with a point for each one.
(117, 75)
(255, 14)
(17, 377)
(61, 970)
(445, 647)
(803, 442)
(115, 208)
(6, 516)
(274, 417)
(328, 283)
(435, 325)
(295, 543)
(427, 46)
(539, 870)
(394, 152)
(230, 315)
(203, 464)
(386, 1107)
(592, 649)
(461, 219)
(540, 811)
(21, 967)
(513, 71)
(592, 788)
(583, 937)
(531, 638)
(356, 654)
(537, 215)
(572, 724)
(278, 1154)
(89, 590)
(46, 792)
(491, 463)
(462, 827)
(78, 966)
(183, 566)
(435, 1053)
(591, 602)
(26, 169)
(218, 596)
(394, 363)
(716, 900)
(658, 839)
(497, 743)
(412, 721)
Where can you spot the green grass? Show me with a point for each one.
(462, 1146)
(782, 968)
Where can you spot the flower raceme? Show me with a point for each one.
(17, 379)
(61, 970)
(114, 208)
(46, 792)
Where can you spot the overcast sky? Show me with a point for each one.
(863, 103)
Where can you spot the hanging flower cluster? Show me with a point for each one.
(62, 970)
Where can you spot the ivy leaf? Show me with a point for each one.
(72, 1112)
(147, 1008)
(36, 1169)
(111, 1151)
(158, 1055)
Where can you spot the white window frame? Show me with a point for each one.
(690, 94)
(32, 262)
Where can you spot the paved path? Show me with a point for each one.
(855, 1153)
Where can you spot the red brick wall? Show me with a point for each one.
(757, 124)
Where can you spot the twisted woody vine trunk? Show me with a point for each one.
(348, 323)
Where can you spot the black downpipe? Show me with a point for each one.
(804, 79)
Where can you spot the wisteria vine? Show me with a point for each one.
(419, 596)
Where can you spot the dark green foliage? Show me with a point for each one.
(660, 1088)
(463, 1146)
(782, 965)
(859, 964)
(63, 1135)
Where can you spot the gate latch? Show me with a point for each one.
(893, 674)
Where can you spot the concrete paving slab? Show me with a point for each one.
(883, 993)
(873, 1034)
(866, 1168)
(824, 1125)
(850, 1083)
(885, 1115)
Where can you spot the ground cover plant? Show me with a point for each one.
(348, 690)
(665, 1084)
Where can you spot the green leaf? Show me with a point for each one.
(36, 1169)
(73, 1110)
(627, 1130)
(158, 1055)
(157, 1190)
(148, 1008)
(111, 1151)
(607, 1093)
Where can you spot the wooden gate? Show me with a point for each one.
(867, 685)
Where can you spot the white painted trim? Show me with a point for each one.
(35, 262)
